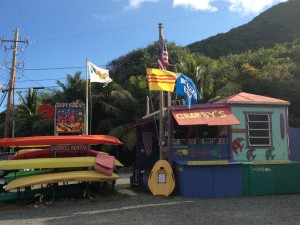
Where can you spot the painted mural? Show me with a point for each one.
(200, 152)
(69, 118)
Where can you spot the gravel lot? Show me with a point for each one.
(132, 206)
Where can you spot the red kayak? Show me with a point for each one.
(60, 140)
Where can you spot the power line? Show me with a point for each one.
(57, 68)
(19, 72)
(96, 32)
(23, 52)
(20, 13)
(82, 67)
(118, 28)
(43, 87)
(42, 80)
(5, 58)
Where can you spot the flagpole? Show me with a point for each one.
(87, 101)
(161, 101)
(91, 109)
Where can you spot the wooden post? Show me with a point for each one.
(161, 102)
(11, 86)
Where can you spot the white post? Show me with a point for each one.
(87, 101)
(148, 106)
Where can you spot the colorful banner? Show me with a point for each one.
(69, 118)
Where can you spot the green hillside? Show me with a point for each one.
(279, 24)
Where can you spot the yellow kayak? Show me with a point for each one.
(73, 176)
(47, 163)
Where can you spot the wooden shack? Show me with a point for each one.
(236, 146)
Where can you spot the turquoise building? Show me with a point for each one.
(236, 146)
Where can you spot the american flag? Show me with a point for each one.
(163, 59)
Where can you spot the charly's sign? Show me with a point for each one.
(209, 116)
(199, 114)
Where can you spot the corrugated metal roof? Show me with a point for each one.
(246, 98)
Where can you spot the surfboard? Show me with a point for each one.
(73, 176)
(106, 161)
(60, 140)
(161, 180)
(105, 164)
(104, 170)
(49, 163)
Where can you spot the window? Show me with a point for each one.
(259, 130)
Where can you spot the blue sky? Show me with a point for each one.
(64, 33)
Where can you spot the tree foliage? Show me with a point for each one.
(276, 25)
(273, 72)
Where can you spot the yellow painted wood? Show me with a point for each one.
(263, 162)
(207, 163)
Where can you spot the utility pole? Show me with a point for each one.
(12, 80)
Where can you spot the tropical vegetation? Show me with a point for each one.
(272, 71)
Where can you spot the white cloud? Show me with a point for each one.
(240, 6)
(203, 5)
(251, 6)
(134, 4)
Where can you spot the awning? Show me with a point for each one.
(209, 116)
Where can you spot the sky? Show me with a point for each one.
(63, 34)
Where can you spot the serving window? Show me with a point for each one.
(200, 134)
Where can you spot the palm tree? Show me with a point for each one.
(29, 103)
(27, 120)
(113, 112)
(74, 90)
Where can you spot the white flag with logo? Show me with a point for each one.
(98, 74)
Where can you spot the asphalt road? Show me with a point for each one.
(135, 206)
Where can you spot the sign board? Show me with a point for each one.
(69, 118)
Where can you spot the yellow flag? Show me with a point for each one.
(161, 80)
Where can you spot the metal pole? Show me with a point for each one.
(11, 85)
(91, 109)
(161, 102)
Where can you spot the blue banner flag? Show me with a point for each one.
(186, 88)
